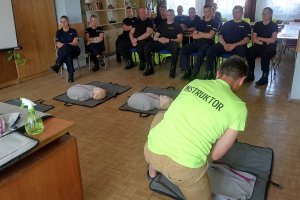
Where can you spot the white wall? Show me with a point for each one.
(71, 8)
(8, 37)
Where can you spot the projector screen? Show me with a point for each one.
(8, 38)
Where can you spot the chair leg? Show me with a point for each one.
(159, 61)
(78, 65)
(105, 62)
(61, 70)
(89, 58)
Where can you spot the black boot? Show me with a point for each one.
(193, 76)
(55, 68)
(186, 75)
(250, 77)
(71, 78)
(209, 76)
(172, 73)
(95, 68)
(129, 64)
(263, 80)
(149, 70)
(101, 60)
(142, 66)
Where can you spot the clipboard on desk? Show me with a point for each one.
(14, 146)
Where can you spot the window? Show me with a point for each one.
(225, 7)
(186, 4)
(286, 10)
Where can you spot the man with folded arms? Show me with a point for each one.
(168, 36)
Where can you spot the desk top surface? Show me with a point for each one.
(53, 129)
(290, 31)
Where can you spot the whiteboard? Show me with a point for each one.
(8, 38)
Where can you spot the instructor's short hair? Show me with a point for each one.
(238, 7)
(234, 67)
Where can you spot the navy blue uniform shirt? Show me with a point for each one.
(94, 32)
(233, 32)
(169, 30)
(66, 37)
(181, 19)
(128, 22)
(192, 23)
(265, 31)
(141, 27)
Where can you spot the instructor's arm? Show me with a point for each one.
(224, 144)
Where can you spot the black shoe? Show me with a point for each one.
(141, 68)
(95, 68)
(55, 68)
(250, 77)
(186, 75)
(193, 77)
(149, 71)
(129, 65)
(209, 76)
(71, 78)
(101, 61)
(172, 73)
(263, 80)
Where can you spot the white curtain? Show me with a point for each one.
(186, 4)
(225, 7)
(285, 10)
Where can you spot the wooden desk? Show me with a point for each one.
(295, 91)
(50, 172)
(290, 31)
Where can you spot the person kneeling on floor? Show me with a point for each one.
(202, 122)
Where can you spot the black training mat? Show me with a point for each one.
(244, 157)
(40, 106)
(112, 90)
(170, 92)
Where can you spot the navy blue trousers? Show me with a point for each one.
(156, 46)
(266, 52)
(96, 49)
(199, 47)
(65, 54)
(218, 50)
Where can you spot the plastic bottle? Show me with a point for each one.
(33, 122)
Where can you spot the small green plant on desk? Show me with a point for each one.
(17, 59)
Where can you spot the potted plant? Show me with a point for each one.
(17, 59)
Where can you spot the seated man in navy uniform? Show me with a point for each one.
(94, 37)
(161, 17)
(140, 35)
(216, 14)
(123, 40)
(67, 48)
(264, 45)
(233, 38)
(192, 20)
(168, 36)
(190, 24)
(203, 38)
(181, 18)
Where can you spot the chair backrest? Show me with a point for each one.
(246, 20)
(81, 45)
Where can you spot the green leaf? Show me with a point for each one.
(10, 58)
(17, 56)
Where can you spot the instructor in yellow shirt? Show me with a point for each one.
(202, 122)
